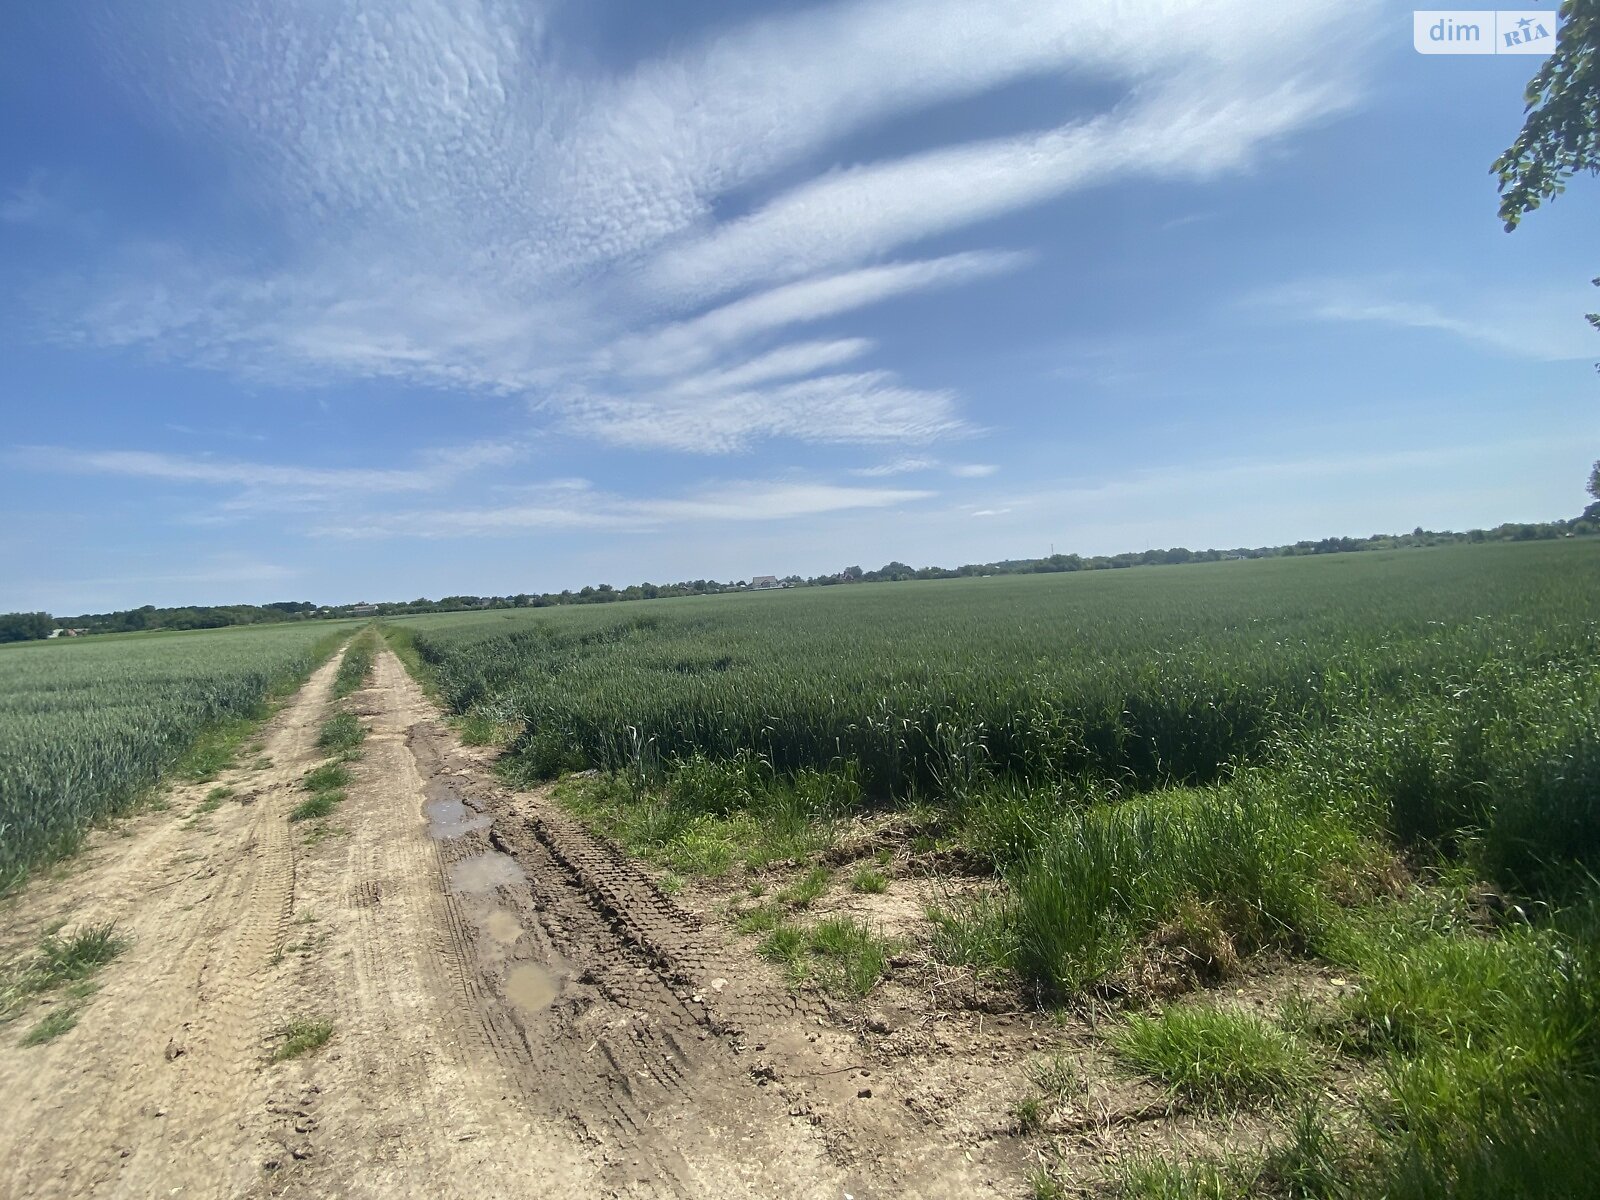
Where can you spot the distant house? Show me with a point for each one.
(361, 610)
(54, 633)
(762, 582)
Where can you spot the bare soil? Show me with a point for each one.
(517, 1009)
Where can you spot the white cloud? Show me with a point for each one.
(973, 470)
(799, 358)
(864, 408)
(736, 502)
(459, 200)
(900, 466)
(262, 486)
(686, 344)
(866, 211)
(1532, 323)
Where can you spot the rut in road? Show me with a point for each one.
(517, 1008)
(677, 1066)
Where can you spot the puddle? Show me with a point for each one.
(530, 987)
(502, 927)
(449, 818)
(484, 872)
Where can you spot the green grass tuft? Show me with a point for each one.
(839, 954)
(301, 1036)
(341, 733)
(869, 881)
(320, 805)
(357, 662)
(1215, 1058)
(325, 778)
(808, 889)
(54, 1023)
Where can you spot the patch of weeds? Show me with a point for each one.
(217, 748)
(54, 1023)
(320, 831)
(325, 778)
(357, 662)
(785, 944)
(855, 958)
(301, 1036)
(320, 805)
(1057, 1077)
(806, 890)
(1245, 859)
(1056, 1081)
(1042, 1185)
(869, 882)
(1310, 1163)
(670, 884)
(977, 932)
(763, 918)
(310, 944)
(839, 954)
(1030, 1113)
(63, 959)
(702, 822)
(341, 733)
(1163, 1179)
(210, 804)
(1213, 1057)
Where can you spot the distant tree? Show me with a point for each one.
(1561, 132)
(25, 627)
(1594, 481)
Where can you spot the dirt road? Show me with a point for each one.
(516, 1009)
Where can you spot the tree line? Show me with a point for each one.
(29, 626)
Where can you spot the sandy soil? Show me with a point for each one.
(517, 1010)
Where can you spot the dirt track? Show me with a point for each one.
(517, 1010)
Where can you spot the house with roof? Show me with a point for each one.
(761, 583)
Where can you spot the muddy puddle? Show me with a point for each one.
(449, 818)
(484, 873)
(530, 987)
(501, 927)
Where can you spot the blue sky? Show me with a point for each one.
(331, 301)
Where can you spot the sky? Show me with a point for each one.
(307, 299)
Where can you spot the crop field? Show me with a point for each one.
(1385, 764)
(87, 725)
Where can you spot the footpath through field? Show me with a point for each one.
(515, 1008)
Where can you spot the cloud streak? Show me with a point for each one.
(582, 509)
